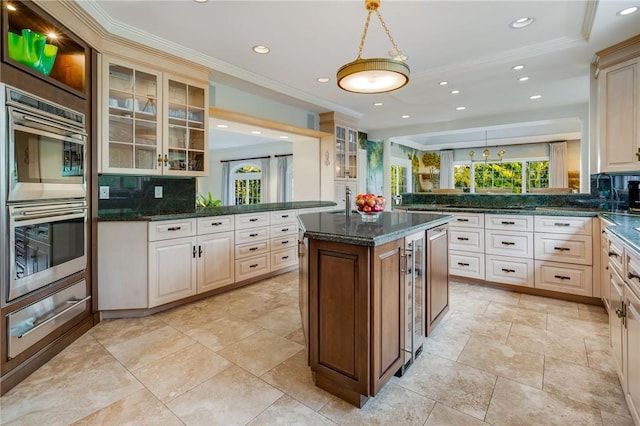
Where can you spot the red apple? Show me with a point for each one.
(371, 201)
(366, 209)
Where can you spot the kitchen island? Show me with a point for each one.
(355, 303)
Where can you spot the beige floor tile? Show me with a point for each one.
(599, 355)
(549, 305)
(504, 361)
(445, 342)
(223, 332)
(141, 350)
(467, 305)
(288, 411)
(294, 378)
(190, 316)
(393, 405)
(498, 295)
(114, 331)
(577, 328)
(441, 415)
(610, 419)
(58, 393)
(180, 371)
(252, 307)
(472, 325)
(593, 315)
(282, 320)
(233, 397)
(297, 336)
(260, 352)
(139, 408)
(498, 311)
(517, 404)
(451, 383)
(547, 343)
(595, 388)
(598, 309)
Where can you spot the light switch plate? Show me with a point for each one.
(104, 193)
(158, 192)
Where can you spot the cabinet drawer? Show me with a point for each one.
(509, 222)
(509, 243)
(252, 267)
(251, 249)
(613, 249)
(564, 248)
(284, 258)
(171, 229)
(632, 267)
(565, 278)
(466, 264)
(251, 235)
(283, 242)
(250, 220)
(284, 229)
(283, 216)
(509, 270)
(466, 220)
(209, 225)
(564, 224)
(469, 239)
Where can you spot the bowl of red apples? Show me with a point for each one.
(369, 206)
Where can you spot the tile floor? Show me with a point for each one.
(498, 358)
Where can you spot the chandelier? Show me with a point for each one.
(374, 75)
(486, 153)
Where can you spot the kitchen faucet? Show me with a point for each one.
(347, 200)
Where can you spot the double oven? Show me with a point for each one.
(43, 246)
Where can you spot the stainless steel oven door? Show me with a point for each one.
(47, 242)
(46, 158)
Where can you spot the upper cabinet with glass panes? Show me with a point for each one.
(152, 123)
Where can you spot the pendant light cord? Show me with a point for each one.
(371, 9)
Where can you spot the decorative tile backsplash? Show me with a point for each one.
(138, 194)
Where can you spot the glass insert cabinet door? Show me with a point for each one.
(346, 153)
(132, 137)
(185, 142)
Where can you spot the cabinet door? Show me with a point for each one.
(215, 260)
(185, 138)
(437, 277)
(131, 135)
(172, 270)
(615, 322)
(633, 354)
(619, 115)
(303, 287)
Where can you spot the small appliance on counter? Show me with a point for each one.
(634, 196)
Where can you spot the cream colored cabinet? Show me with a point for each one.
(466, 245)
(632, 323)
(283, 239)
(216, 244)
(152, 122)
(171, 261)
(509, 249)
(616, 323)
(252, 256)
(345, 152)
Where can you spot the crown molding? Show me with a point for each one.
(589, 18)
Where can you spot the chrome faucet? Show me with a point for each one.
(347, 200)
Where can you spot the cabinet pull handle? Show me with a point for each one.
(194, 252)
(174, 228)
(253, 219)
(562, 248)
(199, 251)
(562, 277)
(253, 235)
(166, 159)
(507, 222)
(159, 160)
(632, 275)
(285, 257)
(253, 249)
(462, 220)
(508, 270)
(561, 224)
(216, 223)
(284, 216)
(508, 243)
(613, 253)
(463, 264)
(253, 266)
(463, 239)
(284, 229)
(284, 242)
(620, 313)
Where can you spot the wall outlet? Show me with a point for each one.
(104, 193)
(158, 192)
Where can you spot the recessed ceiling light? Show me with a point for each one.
(517, 67)
(455, 92)
(627, 11)
(11, 7)
(322, 79)
(378, 104)
(406, 116)
(461, 108)
(525, 78)
(284, 137)
(535, 97)
(443, 83)
(201, 1)
(222, 126)
(256, 132)
(521, 23)
(261, 49)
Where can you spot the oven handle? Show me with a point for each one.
(51, 213)
(75, 302)
(54, 124)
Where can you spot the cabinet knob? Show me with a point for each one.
(638, 154)
(619, 313)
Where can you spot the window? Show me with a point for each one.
(400, 177)
(511, 176)
(247, 184)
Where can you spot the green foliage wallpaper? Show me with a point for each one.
(375, 173)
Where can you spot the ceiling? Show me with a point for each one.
(469, 44)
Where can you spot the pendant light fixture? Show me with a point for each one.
(486, 153)
(374, 75)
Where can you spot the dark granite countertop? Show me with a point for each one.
(129, 215)
(516, 210)
(624, 227)
(336, 227)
